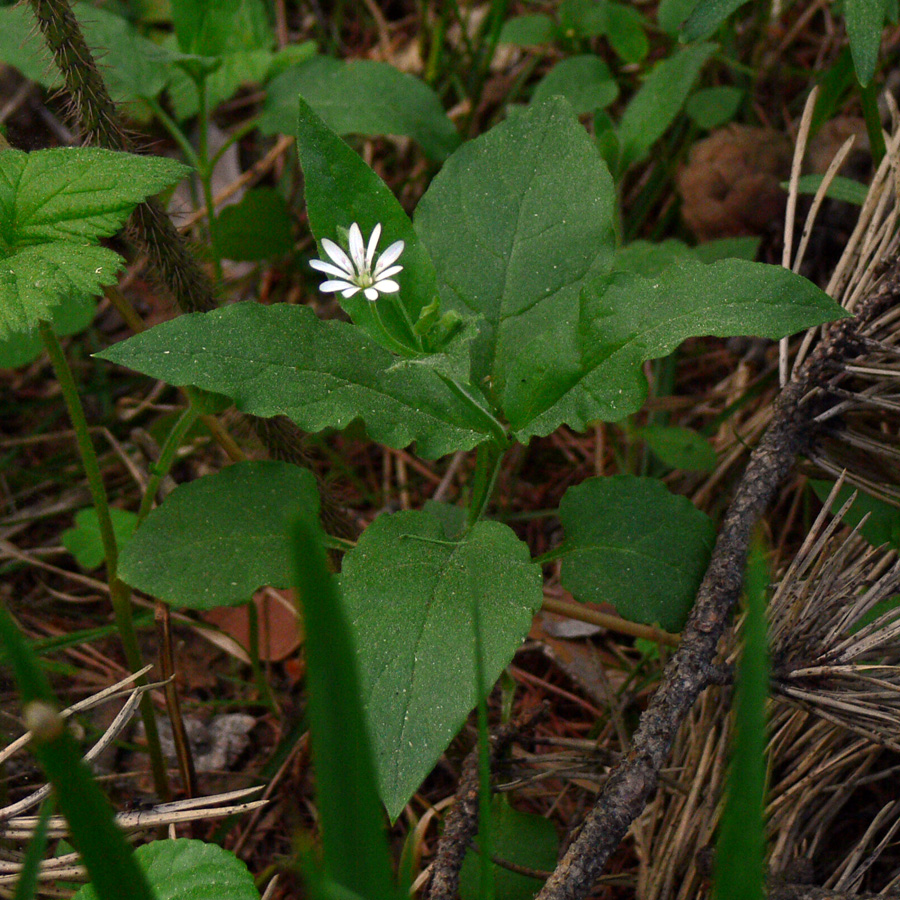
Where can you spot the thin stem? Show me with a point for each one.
(401, 348)
(495, 426)
(204, 172)
(869, 97)
(175, 132)
(265, 692)
(420, 346)
(119, 593)
(244, 129)
(488, 458)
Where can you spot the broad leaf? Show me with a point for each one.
(627, 319)
(707, 16)
(283, 360)
(585, 81)
(632, 543)
(54, 207)
(22, 47)
(659, 100)
(865, 19)
(361, 97)
(84, 541)
(680, 448)
(226, 26)
(215, 541)
(258, 227)
(20, 349)
(340, 190)
(711, 107)
(409, 593)
(529, 30)
(185, 869)
(517, 222)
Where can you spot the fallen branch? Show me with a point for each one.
(634, 781)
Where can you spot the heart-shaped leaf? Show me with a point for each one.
(215, 541)
(409, 593)
(54, 207)
(283, 360)
(632, 543)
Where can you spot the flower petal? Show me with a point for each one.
(328, 286)
(329, 269)
(350, 291)
(373, 243)
(338, 255)
(393, 270)
(389, 256)
(371, 294)
(388, 286)
(357, 251)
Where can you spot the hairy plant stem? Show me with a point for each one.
(119, 592)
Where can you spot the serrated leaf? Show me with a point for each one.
(408, 593)
(185, 869)
(54, 206)
(70, 318)
(632, 543)
(524, 839)
(627, 319)
(517, 222)
(585, 81)
(865, 21)
(83, 540)
(215, 541)
(283, 360)
(658, 101)
(680, 448)
(361, 97)
(340, 190)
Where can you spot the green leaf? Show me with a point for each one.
(258, 227)
(658, 101)
(585, 81)
(283, 360)
(650, 258)
(22, 47)
(355, 849)
(888, 605)
(517, 222)
(728, 248)
(84, 542)
(524, 839)
(707, 16)
(529, 30)
(627, 319)
(625, 32)
(217, 540)
(226, 26)
(883, 523)
(54, 207)
(72, 318)
(185, 869)
(631, 543)
(711, 107)
(340, 190)
(845, 189)
(361, 97)
(865, 19)
(740, 870)
(680, 448)
(409, 592)
(671, 13)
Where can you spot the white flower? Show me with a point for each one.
(354, 273)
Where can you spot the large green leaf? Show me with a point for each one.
(627, 319)
(216, 540)
(185, 869)
(632, 543)
(54, 207)
(361, 97)
(517, 222)
(409, 593)
(865, 19)
(660, 98)
(283, 360)
(340, 190)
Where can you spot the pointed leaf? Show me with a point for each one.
(54, 206)
(283, 360)
(516, 222)
(215, 541)
(408, 592)
(627, 319)
(632, 543)
(865, 21)
(340, 190)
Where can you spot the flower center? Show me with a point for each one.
(364, 280)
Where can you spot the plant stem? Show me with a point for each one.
(259, 676)
(119, 593)
(204, 172)
(488, 458)
(495, 426)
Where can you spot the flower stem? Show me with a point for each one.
(495, 426)
(118, 591)
(417, 338)
(488, 458)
